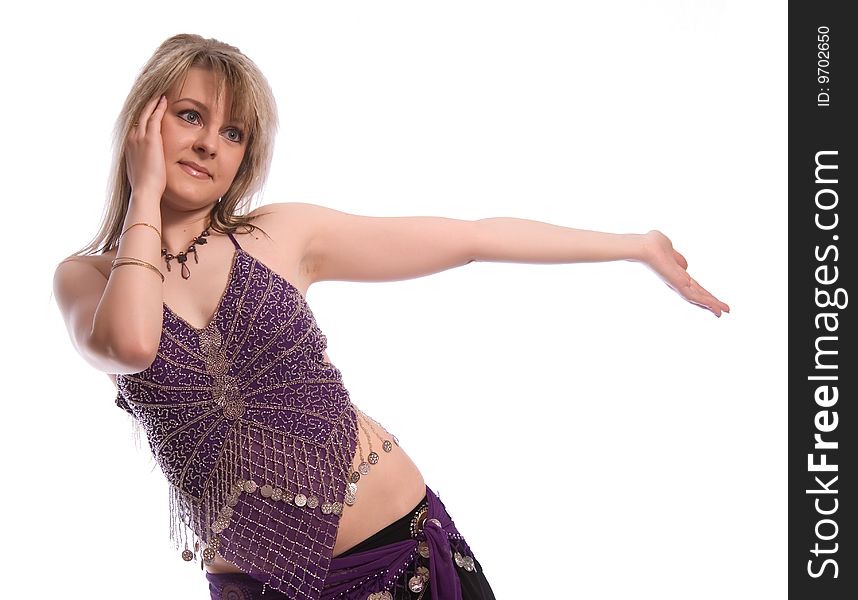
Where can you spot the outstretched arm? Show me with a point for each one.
(521, 240)
(346, 247)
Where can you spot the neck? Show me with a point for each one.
(178, 229)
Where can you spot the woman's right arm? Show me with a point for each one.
(115, 322)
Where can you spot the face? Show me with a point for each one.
(203, 147)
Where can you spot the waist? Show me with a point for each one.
(399, 530)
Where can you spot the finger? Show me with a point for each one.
(154, 122)
(680, 259)
(139, 125)
(705, 296)
(137, 129)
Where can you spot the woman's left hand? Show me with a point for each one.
(670, 265)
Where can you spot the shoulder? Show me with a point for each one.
(78, 277)
(296, 230)
(294, 223)
(295, 214)
(90, 266)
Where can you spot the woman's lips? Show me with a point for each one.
(193, 172)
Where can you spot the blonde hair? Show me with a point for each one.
(252, 105)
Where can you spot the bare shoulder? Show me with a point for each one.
(89, 268)
(296, 216)
(80, 280)
(287, 224)
(88, 262)
(292, 228)
(79, 277)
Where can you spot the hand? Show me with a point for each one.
(144, 151)
(670, 265)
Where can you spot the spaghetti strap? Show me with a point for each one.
(234, 242)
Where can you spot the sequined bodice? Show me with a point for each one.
(253, 429)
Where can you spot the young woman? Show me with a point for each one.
(195, 305)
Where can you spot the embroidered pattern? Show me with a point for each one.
(253, 429)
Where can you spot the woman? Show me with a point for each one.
(286, 488)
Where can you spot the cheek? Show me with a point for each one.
(169, 140)
(235, 163)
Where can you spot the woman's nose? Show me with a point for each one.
(206, 142)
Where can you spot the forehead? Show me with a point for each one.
(202, 85)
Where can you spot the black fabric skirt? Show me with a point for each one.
(475, 586)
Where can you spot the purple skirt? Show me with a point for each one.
(421, 556)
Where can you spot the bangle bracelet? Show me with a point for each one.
(127, 260)
(140, 223)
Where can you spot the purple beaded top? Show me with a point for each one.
(253, 430)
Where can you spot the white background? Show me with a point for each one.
(592, 434)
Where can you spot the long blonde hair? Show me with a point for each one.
(252, 104)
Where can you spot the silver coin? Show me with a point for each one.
(415, 584)
(300, 500)
(363, 468)
(266, 491)
(312, 501)
(327, 508)
(387, 446)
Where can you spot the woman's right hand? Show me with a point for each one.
(144, 151)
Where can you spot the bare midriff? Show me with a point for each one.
(390, 490)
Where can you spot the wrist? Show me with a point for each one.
(146, 198)
(636, 247)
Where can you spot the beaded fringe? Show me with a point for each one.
(136, 429)
(258, 458)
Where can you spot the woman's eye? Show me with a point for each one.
(233, 135)
(191, 116)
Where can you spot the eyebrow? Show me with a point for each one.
(205, 108)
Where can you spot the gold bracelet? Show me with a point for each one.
(127, 260)
(140, 223)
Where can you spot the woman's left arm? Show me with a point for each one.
(346, 247)
(522, 240)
